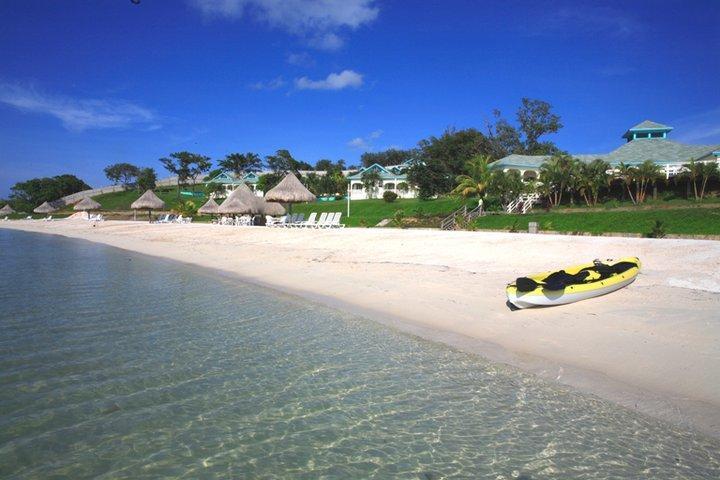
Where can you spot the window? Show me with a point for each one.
(389, 186)
(357, 186)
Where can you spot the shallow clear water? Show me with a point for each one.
(116, 365)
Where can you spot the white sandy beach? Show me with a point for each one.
(653, 347)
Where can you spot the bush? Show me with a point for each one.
(390, 197)
(399, 218)
(492, 204)
(658, 230)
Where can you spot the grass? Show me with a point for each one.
(122, 200)
(686, 221)
(370, 212)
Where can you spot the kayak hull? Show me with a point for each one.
(541, 297)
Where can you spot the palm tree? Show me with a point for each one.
(709, 170)
(591, 178)
(475, 182)
(647, 173)
(371, 179)
(626, 173)
(556, 175)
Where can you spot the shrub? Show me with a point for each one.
(363, 222)
(399, 219)
(390, 197)
(658, 230)
(492, 203)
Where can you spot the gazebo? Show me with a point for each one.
(86, 204)
(6, 210)
(45, 207)
(210, 208)
(290, 190)
(148, 201)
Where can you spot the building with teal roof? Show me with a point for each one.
(230, 181)
(391, 179)
(647, 140)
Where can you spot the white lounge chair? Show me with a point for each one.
(310, 222)
(274, 221)
(321, 221)
(48, 218)
(335, 222)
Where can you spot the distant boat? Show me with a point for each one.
(573, 284)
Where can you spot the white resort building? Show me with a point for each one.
(390, 179)
(645, 141)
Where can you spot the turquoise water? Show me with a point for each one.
(116, 365)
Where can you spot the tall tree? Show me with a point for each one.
(391, 156)
(186, 166)
(536, 119)
(122, 173)
(241, 163)
(283, 162)
(146, 179)
(29, 194)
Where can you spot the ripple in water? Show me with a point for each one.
(115, 365)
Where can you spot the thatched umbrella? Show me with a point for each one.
(210, 208)
(289, 191)
(148, 201)
(233, 205)
(45, 207)
(273, 209)
(86, 204)
(6, 210)
(247, 196)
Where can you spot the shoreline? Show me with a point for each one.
(657, 350)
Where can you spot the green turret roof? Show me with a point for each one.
(647, 126)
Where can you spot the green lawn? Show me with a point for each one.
(370, 212)
(688, 221)
(122, 200)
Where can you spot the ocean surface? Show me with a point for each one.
(117, 365)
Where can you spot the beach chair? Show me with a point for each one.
(335, 222)
(290, 220)
(5, 219)
(299, 220)
(310, 222)
(321, 221)
(48, 218)
(280, 222)
(188, 220)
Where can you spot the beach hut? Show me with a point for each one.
(210, 208)
(45, 207)
(289, 191)
(86, 204)
(234, 206)
(273, 209)
(6, 210)
(148, 201)
(247, 196)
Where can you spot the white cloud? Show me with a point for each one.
(359, 143)
(315, 20)
(375, 134)
(302, 59)
(79, 114)
(365, 143)
(334, 81)
(586, 19)
(703, 127)
(273, 84)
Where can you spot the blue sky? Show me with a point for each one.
(86, 84)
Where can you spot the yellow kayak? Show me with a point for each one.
(573, 284)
